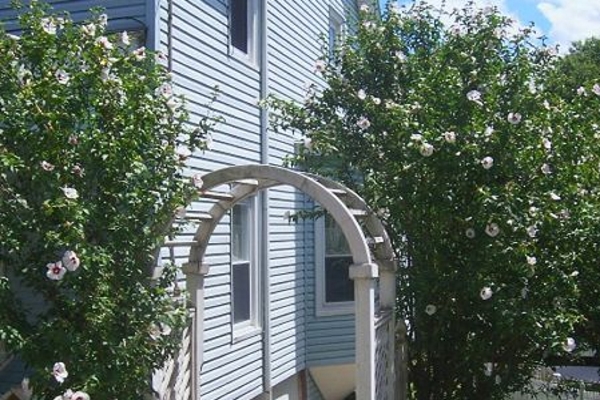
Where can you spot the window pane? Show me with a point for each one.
(338, 285)
(241, 292)
(240, 227)
(239, 25)
(335, 242)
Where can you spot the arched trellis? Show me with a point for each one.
(372, 255)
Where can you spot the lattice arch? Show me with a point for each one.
(372, 254)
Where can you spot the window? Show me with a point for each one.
(335, 289)
(244, 282)
(242, 27)
(336, 30)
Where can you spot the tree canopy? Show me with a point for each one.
(445, 122)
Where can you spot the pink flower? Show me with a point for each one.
(70, 193)
(487, 162)
(62, 76)
(73, 140)
(513, 118)
(486, 293)
(77, 170)
(60, 372)
(46, 166)
(139, 54)
(56, 271)
(104, 42)
(320, 66)
(596, 89)
(197, 181)
(79, 395)
(363, 123)
(70, 260)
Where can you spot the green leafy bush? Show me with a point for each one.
(92, 147)
(487, 181)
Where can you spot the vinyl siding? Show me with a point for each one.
(123, 15)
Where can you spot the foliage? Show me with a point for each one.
(92, 145)
(487, 181)
(579, 68)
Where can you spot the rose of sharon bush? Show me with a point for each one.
(482, 169)
(90, 176)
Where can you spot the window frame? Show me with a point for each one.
(324, 308)
(251, 33)
(337, 25)
(250, 326)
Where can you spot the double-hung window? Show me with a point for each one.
(243, 15)
(335, 289)
(244, 282)
(336, 30)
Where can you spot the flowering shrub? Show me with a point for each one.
(487, 181)
(92, 145)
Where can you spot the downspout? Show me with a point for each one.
(170, 35)
(264, 199)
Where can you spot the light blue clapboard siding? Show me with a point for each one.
(123, 15)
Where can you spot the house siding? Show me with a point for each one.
(123, 15)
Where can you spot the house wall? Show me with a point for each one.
(201, 60)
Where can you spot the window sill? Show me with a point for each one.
(247, 332)
(247, 59)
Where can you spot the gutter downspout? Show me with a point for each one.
(170, 36)
(264, 200)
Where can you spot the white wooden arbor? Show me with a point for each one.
(373, 266)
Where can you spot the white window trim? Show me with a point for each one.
(323, 308)
(252, 26)
(251, 327)
(337, 21)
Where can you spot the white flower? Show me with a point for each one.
(450, 137)
(70, 260)
(183, 152)
(363, 123)
(532, 231)
(105, 74)
(361, 94)
(46, 166)
(49, 26)
(488, 131)
(173, 103)
(104, 42)
(474, 96)
(124, 38)
(430, 309)
(156, 330)
(513, 118)
(470, 233)
(488, 367)
(554, 196)
(165, 90)
(486, 293)
(62, 77)
(531, 260)
(547, 144)
(574, 274)
(400, 56)
(23, 75)
(60, 372)
(103, 19)
(79, 395)
(426, 149)
(160, 58)
(197, 181)
(320, 66)
(89, 29)
(376, 101)
(492, 229)
(70, 193)
(77, 170)
(139, 54)
(546, 169)
(569, 345)
(417, 137)
(581, 91)
(307, 143)
(56, 271)
(487, 162)
(596, 89)
(364, 8)
(546, 104)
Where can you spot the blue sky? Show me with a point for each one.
(562, 21)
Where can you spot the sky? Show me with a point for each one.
(562, 21)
